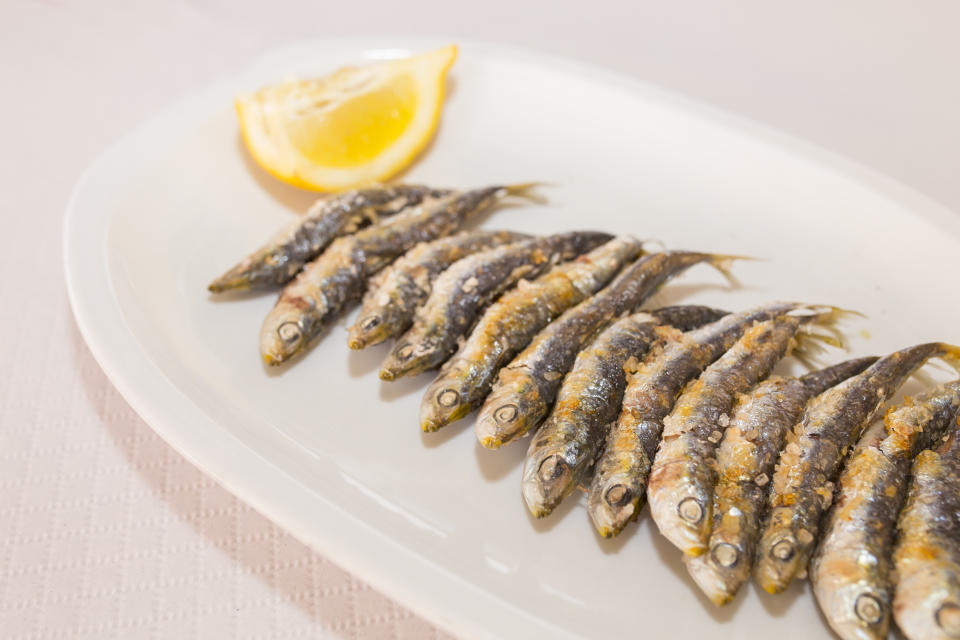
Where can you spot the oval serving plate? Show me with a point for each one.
(335, 456)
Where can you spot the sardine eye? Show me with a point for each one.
(868, 608)
(690, 510)
(782, 550)
(506, 414)
(405, 351)
(370, 322)
(552, 468)
(617, 495)
(724, 554)
(948, 617)
(289, 332)
(448, 398)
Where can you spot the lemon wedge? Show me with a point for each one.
(355, 126)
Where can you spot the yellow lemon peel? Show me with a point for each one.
(355, 126)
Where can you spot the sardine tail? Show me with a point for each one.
(950, 355)
(821, 329)
(526, 190)
(724, 264)
(823, 324)
(807, 359)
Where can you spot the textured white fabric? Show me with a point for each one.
(104, 530)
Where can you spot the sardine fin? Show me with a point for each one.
(724, 264)
(950, 356)
(526, 190)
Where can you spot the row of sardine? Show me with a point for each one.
(745, 473)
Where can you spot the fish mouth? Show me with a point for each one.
(922, 609)
(681, 514)
(510, 415)
(404, 361)
(281, 338)
(487, 432)
(366, 332)
(545, 484)
(275, 353)
(229, 282)
(777, 563)
(499, 422)
(711, 579)
(854, 612)
(691, 534)
(441, 406)
(613, 506)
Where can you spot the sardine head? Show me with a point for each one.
(509, 412)
(925, 606)
(680, 506)
(720, 583)
(408, 359)
(614, 502)
(781, 557)
(444, 401)
(854, 610)
(368, 330)
(547, 479)
(283, 335)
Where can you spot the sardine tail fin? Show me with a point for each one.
(924, 378)
(819, 330)
(950, 356)
(527, 191)
(724, 264)
(807, 359)
(823, 323)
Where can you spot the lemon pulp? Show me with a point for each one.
(355, 126)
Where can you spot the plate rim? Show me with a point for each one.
(146, 389)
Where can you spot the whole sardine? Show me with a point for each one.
(526, 388)
(851, 570)
(745, 463)
(509, 325)
(620, 476)
(328, 284)
(680, 490)
(803, 484)
(589, 399)
(926, 605)
(462, 291)
(395, 293)
(278, 261)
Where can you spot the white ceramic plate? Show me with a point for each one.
(335, 456)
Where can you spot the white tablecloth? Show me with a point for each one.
(104, 530)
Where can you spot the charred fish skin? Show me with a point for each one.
(391, 303)
(510, 323)
(526, 388)
(462, 291)
(565, 447)
(680, 489)
(851, 571)
(317, 296)
(926, 604)
(620, 476)
(277, 262)
(745, 462)
(803, 483)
